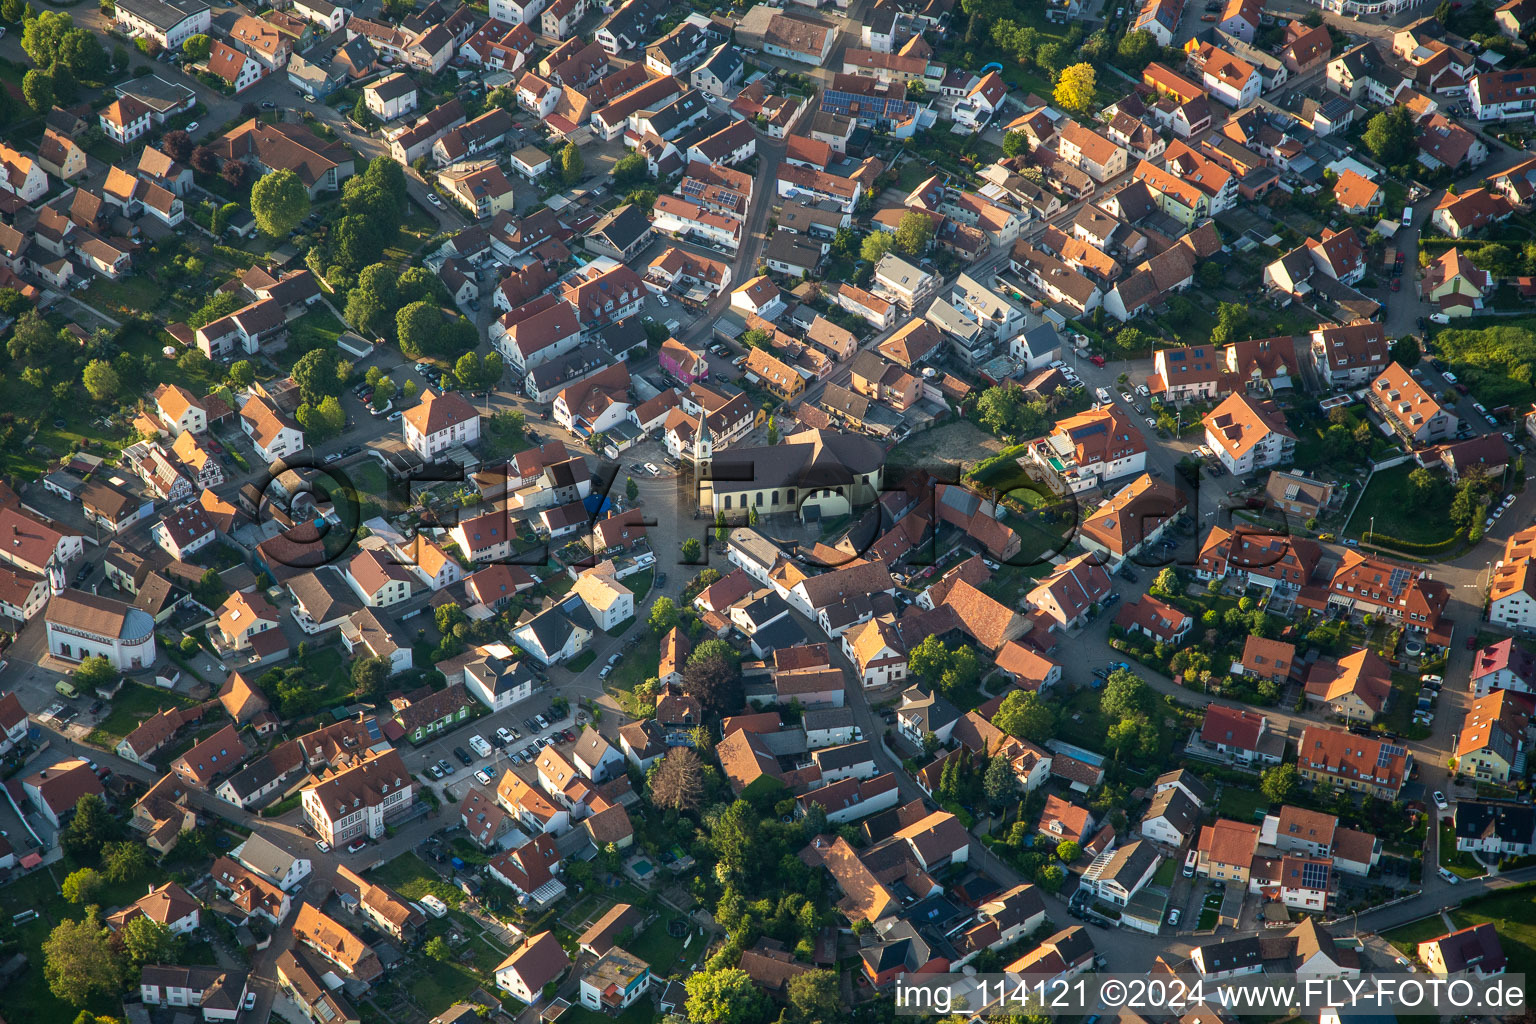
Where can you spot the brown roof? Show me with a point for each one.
(987, 620)
(600, 935)
(1229, 842)
(438, 412)
(240, 699)
(538, 961)
(334, 942)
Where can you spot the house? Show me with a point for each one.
(1249, 434)
(1351, 355)
(1503, 95)
(1118, 874)
(251, 893)
(595, 758)
(540, 961)
(217, 992)
(378, 579)
(1409, 410)
(1499, 829)
(1462, 215)
(215, 756)
(1454, 285)
(1171, 819)
(1070, 592)
(124, 120)
(273, 434)
(1503, 665)
(80, 625)
(1089, 449)
(1090, 152)
(429, 714)
(1155, 619)
(1472, 951)
(271, 862)
(1354, 763)
(1240, 734)
(1492, 743)
(167, 23)
(55, 790)
(391, 97)
(354, 959)
(615, 981)
(298, 980)
(1062, 821)
(358, 799)
(440, 421)
(1355, 688)
(1225, 850)
(241, 617)
(1136, 517)
(1357, 194)
(607, 600)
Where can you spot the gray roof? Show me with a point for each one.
(844, 756)
(324, 594)
(164, 14)
(264, 857)
(829, 718)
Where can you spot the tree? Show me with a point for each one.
(100, 380)
(1125, 695)
(692, 550)
(1051, 878)
(664, 616)
(147, 941)
(1074, 90)
(42, 36)
(126, 860)
(1015, 143)
(1050, 59)
(1167, 583)
(315, 374)
(82, 885)
(913, 233)
(1232, 323)
(813, 996)
(630, 169)
(417, 326)
(90, 829)
(1025, 715)
(234, 172)
(1068, 851)
(572, 166)
(278, 202)
(324, 420)
(204, 160)
(369, 676)
(1406, 353)
(928, 659)
(714, 681)
(1422, 487)
(82, 53)
(725, 995)
(999, 782)
(37, 90)
(79, 961)
(631, 489)
(1389, 135)
(95, 672)
(33, 342)
(12, 10)
(678, 781)
(196, 48)
(437, 948)
(1137, 49)
(372, 303)
(875, 245)
(1278, 783)
(177, 145)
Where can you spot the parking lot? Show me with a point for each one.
(440, 764)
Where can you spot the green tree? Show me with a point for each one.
(82, 53)
(1015, 143)
(372, 303)
(929, 659)
(1068, 851)
(1405, 352)
(417, 326)
(279, 202)
(1423, 486)
(1389, 135)
(125, 861)
(1025, 715)
(316, 374)
(33, 341)
(11, 10)
(37, 90)
(42, 36)
(692, 550)
(1050, 58)
(913, 233)
(813, 997)
(999, 782)
(629, 169)
(725, 996)
(95, 672)
(79, 961)
(1074, 90)
(197, 47)
(1278, 783)
(1167, 583)
(1137, 49)
(572, 166)
(664, 615)
(82, 885)
(1232, 324)
(631, 489)
(369, 675)
(1125, 695)
(1051, 878)
(147, 941)
(437, 948)
(875, 245)
(101, 380)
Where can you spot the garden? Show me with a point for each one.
(1512, 912)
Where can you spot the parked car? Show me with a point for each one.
(484, 777)
(503, 735)
(445, 767)
(1174, 915)
(322, 846)
(356, 845)
(434, 771)
(1440, 802)
(464, 756)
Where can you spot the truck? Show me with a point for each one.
(66, 689)
(480, 746)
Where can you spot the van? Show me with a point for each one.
(480, 746)
(65, 689)
(1407, 216)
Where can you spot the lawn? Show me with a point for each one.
(316, 329)
(1210, 912)
(410, 876)
(1513, 913)
(1408, 937)
(1394, 518)
(658, 948)
(1405, 698)
(640, 583)
(1463, 865)
(133, 704)
(1241, 804)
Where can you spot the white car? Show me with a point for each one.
(1143, 390)
(250, 1001)
(1440, 801)
(192, 127)
(1102, 395)
(1127, 396)
(432, 198)
(605, 672)
(1439, 318)
(663, 300)
(1057, 364)
(322, 846)
(650, 467)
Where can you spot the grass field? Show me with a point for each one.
(1383, 501)
(1513, 913)
(1407, 938)
(659, 949)
(410, 876)
(1461, 864)
(1241, 804)
(133, 704)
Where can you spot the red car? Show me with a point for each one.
(1096, 360)
(1397, 284)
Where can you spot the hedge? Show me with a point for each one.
(1409, 547)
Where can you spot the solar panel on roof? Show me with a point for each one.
(1314, 875)
(1387, 753)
